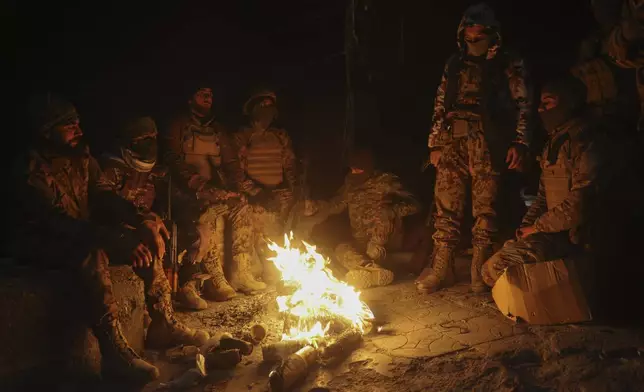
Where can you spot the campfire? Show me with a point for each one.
(324, 317)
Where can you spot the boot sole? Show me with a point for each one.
(364, 279)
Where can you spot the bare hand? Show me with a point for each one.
(435, 157)
(141, 256)
(514, 158)
(153, 233)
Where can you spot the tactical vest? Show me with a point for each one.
(556, 170)
(496, 108)
(263, 160)
(202, 151)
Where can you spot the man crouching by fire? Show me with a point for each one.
(377, 203)
(71, 219)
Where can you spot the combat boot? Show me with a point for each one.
(242, 279)
(349, 257)
(369, 275)
(188, 297)
(165, 330)
(441, 273)
(119, 360)
(217, 288)
(479, 256)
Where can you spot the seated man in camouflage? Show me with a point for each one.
(556, 222)
(72, 219)
(133, 172)
(377, 204)
(205, 169)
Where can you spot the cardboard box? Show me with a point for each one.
(543, 293)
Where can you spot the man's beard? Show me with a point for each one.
(78, 150)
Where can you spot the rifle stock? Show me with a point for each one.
(172, 265)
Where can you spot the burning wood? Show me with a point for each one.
(294, 369)
(314, 305)
(341, 347)
(317, 301)
(281, 350)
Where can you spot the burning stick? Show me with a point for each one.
(342, 347)
(294, 369)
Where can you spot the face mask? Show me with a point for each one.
(264, 116)
(554, 118)
(478, 48)
(141, 156)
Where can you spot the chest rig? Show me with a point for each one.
(556, 169)
(201, 148)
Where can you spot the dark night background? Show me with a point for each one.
(117, 59)
(114, 59)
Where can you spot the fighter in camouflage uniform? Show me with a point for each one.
(204, 165)
(267, 158)
(557, 223)
(481, 118)
(377, 204)
(72, 219)
(134, 173)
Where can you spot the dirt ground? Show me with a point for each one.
(449, 341)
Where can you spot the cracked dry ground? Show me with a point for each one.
(447, 341)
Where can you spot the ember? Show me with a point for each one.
(319, 299)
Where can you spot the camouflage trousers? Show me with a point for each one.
(211, 225)
(536, 248)
(466, 161)
(371, 240)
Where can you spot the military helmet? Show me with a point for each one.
(258, 97)
(48, 110)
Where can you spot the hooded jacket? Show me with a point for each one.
(505, 95)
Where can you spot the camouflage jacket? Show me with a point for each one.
(499, 67)
(139, 188)
(367, 201)
(187, 176)
(570, 166)
(69, 200)
(243, 142)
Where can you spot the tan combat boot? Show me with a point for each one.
(165, 330)
(480, 256)
(370, 275)
(217, 287)
(242, 279)
(441, 274)
(188, 297)
(119, 359)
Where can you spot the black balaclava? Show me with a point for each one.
(571, 93)
(362, 158)
(139, 144)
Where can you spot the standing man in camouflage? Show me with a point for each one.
(269, 163)
(204, 165)
(480, 127)
(72, 219)
(557, 223)
(377, 204)
(135, 175)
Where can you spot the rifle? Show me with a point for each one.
(172, 267)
